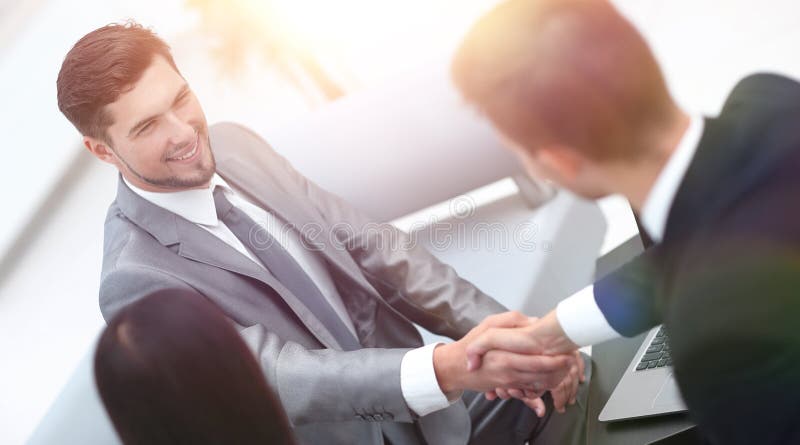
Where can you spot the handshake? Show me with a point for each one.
(511, 355)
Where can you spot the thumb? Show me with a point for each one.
(473, 361)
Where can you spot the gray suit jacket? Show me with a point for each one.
(331, 396)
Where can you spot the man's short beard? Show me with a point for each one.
(174, 182)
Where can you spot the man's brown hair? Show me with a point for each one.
(101, 66)
(564, 72)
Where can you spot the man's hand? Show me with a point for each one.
(564, 393)
(530, 398)
(540, 337)
(567, 391)
(499, 369)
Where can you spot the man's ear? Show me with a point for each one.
(99, 149)
(563, 160)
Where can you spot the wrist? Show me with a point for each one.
(553, 339)
(449, 365)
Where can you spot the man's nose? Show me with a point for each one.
(181, 132)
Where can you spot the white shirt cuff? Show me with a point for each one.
(582, 320)
(418, 382)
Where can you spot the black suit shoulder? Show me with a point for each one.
(767, 89)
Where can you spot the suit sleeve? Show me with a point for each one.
(409, 277)
(325, 385)
(313, 385)
(626, 296)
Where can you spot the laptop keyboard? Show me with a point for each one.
(657, 354)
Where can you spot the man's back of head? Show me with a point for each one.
(565, 72)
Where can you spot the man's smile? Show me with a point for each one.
(188, 153)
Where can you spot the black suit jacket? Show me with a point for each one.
(725, 280)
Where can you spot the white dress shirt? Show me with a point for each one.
(579, 315)
(417, 377)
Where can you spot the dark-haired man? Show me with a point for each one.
(218, 211)
(579, 96)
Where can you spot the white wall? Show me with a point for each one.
(706, 46)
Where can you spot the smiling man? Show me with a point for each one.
(216, 210)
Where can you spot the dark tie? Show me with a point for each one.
(278, 261)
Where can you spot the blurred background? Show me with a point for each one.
(268, 64)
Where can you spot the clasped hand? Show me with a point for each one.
(511, 355)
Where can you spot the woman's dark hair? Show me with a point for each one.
(171, 369)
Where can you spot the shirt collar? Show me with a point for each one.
(196, 205)
(658, 203)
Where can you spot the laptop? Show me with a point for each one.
(648, 386)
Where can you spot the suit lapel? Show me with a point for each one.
(199, 245)
(262, 190)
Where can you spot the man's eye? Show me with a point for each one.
(145, 127)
